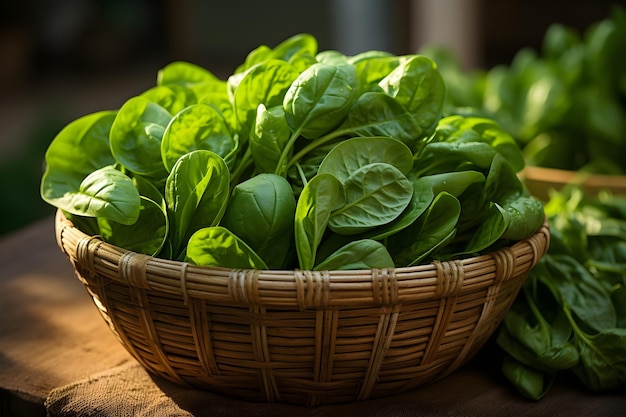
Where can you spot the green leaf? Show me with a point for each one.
(376, 194)
(184, 74)
(455, 182)
(377, 114)
(79, 149)
(261, 212)
(602, 363)
(147, 235)
(429, 233)
(218, 247)
(290, 50)
(442, 157)
(107, 193)
(489, 232)
(489, 132)
(319, 198)
(419, 87)
(524, 216)
(196, 193)
(353, 154)
(537, 333)
(265, 83)
(198, 126)
(319, 99)
(420, 201)
(172, 98)
(359, 254)
(269, 137)
(580, 291)
(531, 383)
(136, 137)
(372, 67)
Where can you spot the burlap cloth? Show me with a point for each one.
(129, 390)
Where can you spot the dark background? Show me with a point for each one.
(61, 59)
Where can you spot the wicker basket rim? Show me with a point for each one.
(301, 288)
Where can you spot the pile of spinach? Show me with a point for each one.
(571, 313)
(299, 159)
(565, 104)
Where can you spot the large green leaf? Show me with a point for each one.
(75, 155)
(198, 126)
(352, 154)
(319, 99)
(196, 193)
(261, 212)
(376, 194)
(136, 137)
(219, 247)
(319, 198)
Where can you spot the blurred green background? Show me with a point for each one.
(61, 59)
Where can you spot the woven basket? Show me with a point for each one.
(539, 181)
(297, 336)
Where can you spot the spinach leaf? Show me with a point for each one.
(371, 67)
(267, 83)
(196, 193)
(455, 182)
(261, 212)
(442, 157)
(79, 149)
(530, 382)
(294, 50)
(217, 246)
(524, 216)
(147, 235)
(537, 332)
(377, 114)
(602, 363)
(136, 136)
(269, 138)
(491, 229)
(172, 98)
(375, 195)
(359, 254)
(184, 74)
(420, 201)
(198, 126)
(319, 99)
(418, 86)
(429, 233)
(580, 291)
(332, 57)
(319, 198)
(488, 131)
(352, 154)
(106, 193)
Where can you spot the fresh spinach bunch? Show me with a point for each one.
(571, 314)
(565, 104)
(299, 159)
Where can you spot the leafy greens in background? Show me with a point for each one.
(565, 104)
(571, 313)
(566, 107)
(299, 159)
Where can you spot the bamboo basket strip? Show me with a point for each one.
(305, 337)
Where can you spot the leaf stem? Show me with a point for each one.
(314, 144)
(537, 313)
(245, 162)
(281, 168)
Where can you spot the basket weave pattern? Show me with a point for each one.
(299, 336)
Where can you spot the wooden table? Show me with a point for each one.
(51, 335)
